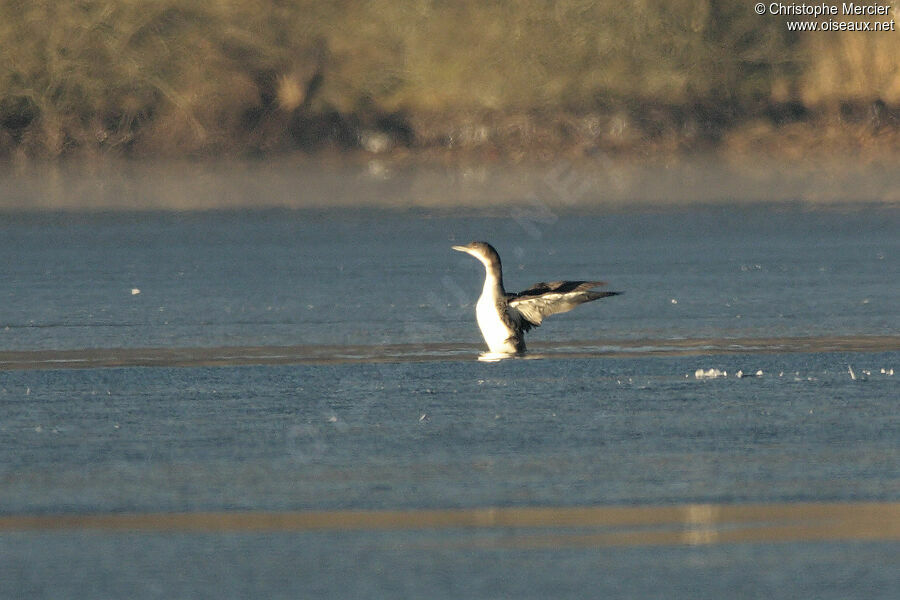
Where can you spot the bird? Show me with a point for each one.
(504, 317)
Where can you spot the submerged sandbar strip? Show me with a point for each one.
(326, 354)
(530, 527)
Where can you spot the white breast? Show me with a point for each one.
(495, 332)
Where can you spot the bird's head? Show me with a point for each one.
(483, 252)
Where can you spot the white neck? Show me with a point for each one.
(493, 280)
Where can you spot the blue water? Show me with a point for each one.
(568, 428)
(285, 278)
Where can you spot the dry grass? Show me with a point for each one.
(181, 77)
(851, 67)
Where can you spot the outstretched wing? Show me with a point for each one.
(544, 299)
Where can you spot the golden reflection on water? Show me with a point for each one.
(530, 527)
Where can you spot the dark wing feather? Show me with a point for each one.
(544, 299)
(562, 287)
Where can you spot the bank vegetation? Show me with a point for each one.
(510, 80)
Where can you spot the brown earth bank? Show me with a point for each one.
(862, 130)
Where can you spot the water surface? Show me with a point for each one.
(285, 278)
(288, 403)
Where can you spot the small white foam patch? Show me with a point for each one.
(716, 373)
(854, 374)
(709, 373)
(741, 374)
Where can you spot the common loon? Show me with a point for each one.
(504, 317)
